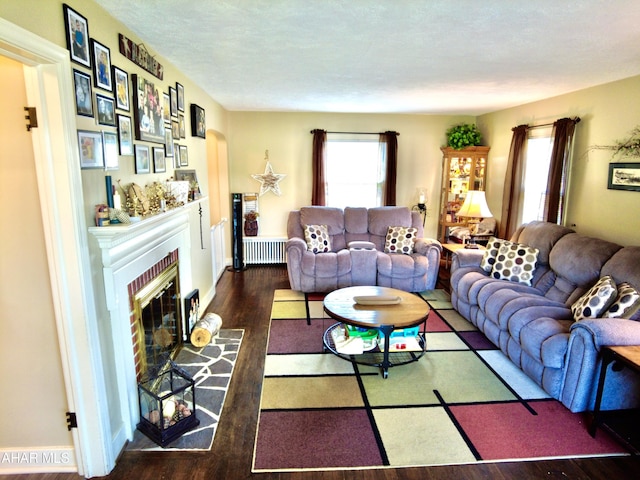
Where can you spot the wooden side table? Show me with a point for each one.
(629, 356)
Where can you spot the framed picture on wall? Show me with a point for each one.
(106, 110)
(147, 110)
(166, 107)
(173, 99)
(159, 161)
(110, 145)
(84, 96)
(90, 146)
(168, 142)
(121, 81)
(77, 33)
(184, 156)
(176, 155)
(143, 162)
(624, 176)
(125, 135)
(198, 122)
(101, 66)
(180, 97)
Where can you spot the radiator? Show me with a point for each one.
(263, 250)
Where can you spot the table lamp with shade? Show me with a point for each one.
(474, 208)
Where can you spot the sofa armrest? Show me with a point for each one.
(424, 245)
(361, 245)
(467, 257)
(610, 331)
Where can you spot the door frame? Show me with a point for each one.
(49, 86)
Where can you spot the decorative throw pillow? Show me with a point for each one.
(515, 262)
(597, 299)
(490, 254)
(317, 238)
(400, 240)
(627, 302)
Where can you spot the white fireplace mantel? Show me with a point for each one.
(127, 251)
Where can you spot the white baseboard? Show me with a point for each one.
(37, 460)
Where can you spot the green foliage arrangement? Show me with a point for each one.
(463, 135)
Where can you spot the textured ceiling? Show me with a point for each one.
(404, 56)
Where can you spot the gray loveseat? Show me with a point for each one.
(534, 325)
(357, 255)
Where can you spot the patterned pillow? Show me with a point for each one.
(626, 303)
(515, 262)
(596, 300)
(400, 240)
(490, 254)
(317, 238)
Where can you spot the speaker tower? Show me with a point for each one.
(236, 215)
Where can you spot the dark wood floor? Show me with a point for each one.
(243, 300)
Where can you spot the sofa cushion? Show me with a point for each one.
(596, 301)
(400, 240)
(627, 302)
(317, 238)
(515, 262)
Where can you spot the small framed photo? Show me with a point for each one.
(159, 162)
(106, 110)
(84, 96)
(168, 142)
(624, 176)
(189, 176)
(192, 309)
(176, 155)
(198, 122)
(77, 30)
(101, 66)
(125, 135)
(180, 92)
(110, 145)
(173, 98)
(91, 152)
(166, 107)
(121, 81)
(143, 162)
(175, 129)
(183, 128)
(184, 156)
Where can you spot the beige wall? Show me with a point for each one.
(288, 139)
(608, 113)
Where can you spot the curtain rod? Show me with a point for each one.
(361, 133)
(550, 124)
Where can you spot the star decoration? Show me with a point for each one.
(269, 180)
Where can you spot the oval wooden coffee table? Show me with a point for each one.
(406, 311)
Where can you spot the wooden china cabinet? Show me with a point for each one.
(462, 170)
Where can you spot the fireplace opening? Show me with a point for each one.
(158, 323)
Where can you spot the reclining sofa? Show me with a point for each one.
(551, 315)
(355, 246)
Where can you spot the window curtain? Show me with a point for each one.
(513, 191)
(562, 135)
(318, 188)
(389, 145)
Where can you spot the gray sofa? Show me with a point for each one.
(534, 325)
(357, 256)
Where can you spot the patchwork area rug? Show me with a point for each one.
(462, 402)
(211, 368)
